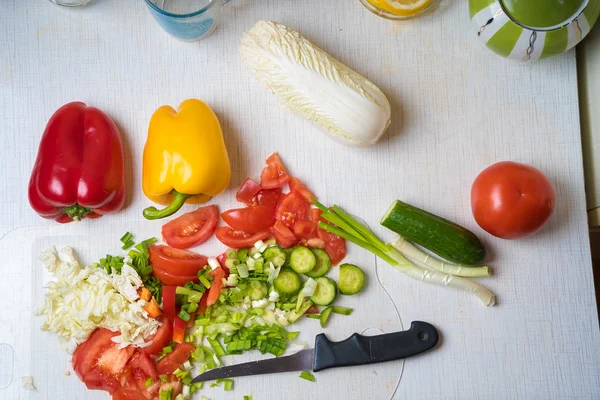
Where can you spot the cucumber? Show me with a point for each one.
(287, 282)
(302, 260)
(275, 255)
(442, 237)
(322, 266)
(325, 293)
(258, 290)
(352, 279)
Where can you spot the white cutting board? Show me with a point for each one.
(38, 353)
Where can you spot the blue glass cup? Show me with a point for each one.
(187, 20)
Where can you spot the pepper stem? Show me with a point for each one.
(178, 201)
(76, 212)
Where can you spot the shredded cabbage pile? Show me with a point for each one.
(80, 300)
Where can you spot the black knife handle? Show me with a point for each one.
(360, 350)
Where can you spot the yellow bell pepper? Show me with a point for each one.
(185, 158)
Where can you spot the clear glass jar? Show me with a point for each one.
(71, 3)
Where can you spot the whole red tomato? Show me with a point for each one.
(512, 200)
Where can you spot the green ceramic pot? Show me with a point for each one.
(532, 29)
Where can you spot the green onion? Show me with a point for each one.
(207, 284)
(166, 394)
(352, 230)
(292, 335)
(288, 306)
(167, 350)
(307, 375)
(187, 380)
(216, 347)
(247, 397)
(163, 378)
(325, 314)
(127, 245)
(313, 316)
(342, 310)
(227, 384)
(192, 307)
(198, 288)
(231, 263)
(149, 241)
(184, 315)
(242, 255)
(190, 338)
(149, 382)
(126, 237)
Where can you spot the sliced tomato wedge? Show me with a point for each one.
(215, 289)
(143, 366)
(335, 246)
(248, 190)
(169, 279)
(87, 353)
(98, 380)
(113, 360)
(128, 394)
(283, 235)
(239, 239)
(191, 228)
(297, 186)
(250, 219)
(178, 330)
(163, 335)
(176, 262)
(274, 174)
(305, 229)
(175, 359)
(292, 207)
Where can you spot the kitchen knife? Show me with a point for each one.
(356, 350)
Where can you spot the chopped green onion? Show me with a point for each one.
(227, 384)
(199, 288)
(292, 335)
(324, 317)
(288, 306)
(149, 382)
(192, 307)
(190, 338)
(313, 316)
(231, 263)
(142, 248)
(342, 310)
(216, 347)
(247, 397)
(151, 240)
(307, 375)
(166, 394)
(242, 255)
(126, 237)
(127, 245)
(207, 284)
(184, 315)
(231, 253)
(187, 380)
(164, 378)
(167, 350)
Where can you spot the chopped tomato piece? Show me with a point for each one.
(274, 174)
(144, 365)
(250, 219)
(267, 197)
(304, 229)
(191, 228)
(166, 278)
(215, 289)
(335, 246)
(178, 330)
(292, 207)
(175, 359)
(162, 337)
(112, 361)
(315, 215)
(297, 186)
(248, 190)
(96, 379)
(128, 394)
(239, 239)
(168, 301)
(176, 262)
(202, 305)
(283, 235)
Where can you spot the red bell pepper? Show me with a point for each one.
(79, 167)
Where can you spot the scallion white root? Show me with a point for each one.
(419, 257)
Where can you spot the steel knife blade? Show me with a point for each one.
(356, 350)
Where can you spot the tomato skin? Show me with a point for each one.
(192, 228)
(274, 174)
(267, 197)
(127, 394)
(176, 262)
(169, 279)
(239, 239)
(297, 186)
(87, 353)
(98, 380)
(161, 338)
(247, 192)
(175, 359)
(292, 207)
(335, 246)
(250, 219)
(305, 229)
(511, 200)
(283, 235)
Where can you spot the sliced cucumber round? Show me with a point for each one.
(258, 290)
(322, 266)
(276, 255)
(302, 259)
(325, 293)
(287, 282)
(352, 279)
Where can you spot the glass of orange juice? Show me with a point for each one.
(400, 9)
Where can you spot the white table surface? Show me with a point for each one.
(457, 108)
